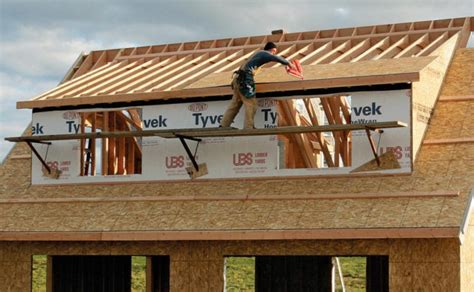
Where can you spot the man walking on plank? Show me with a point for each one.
(243, 85)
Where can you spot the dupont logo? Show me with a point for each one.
(267, 102)
(197, 107)
(71, 116)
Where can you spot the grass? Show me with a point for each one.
(39, 273)
(240, 274)
(138, 274)
(353, 270)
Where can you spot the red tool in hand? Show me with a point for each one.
(297, 71)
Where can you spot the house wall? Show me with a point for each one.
(415, 265)
(426, 91)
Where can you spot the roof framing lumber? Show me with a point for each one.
(374, 50)
(198, 62)
(147, 75)
(111, 80)
(304, 144)
(394, 49)
(174, 68)
(322, 141)
(195, 76)
(414, 47)
(284, 42)
(100, 80)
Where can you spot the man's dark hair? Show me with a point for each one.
(269, 46)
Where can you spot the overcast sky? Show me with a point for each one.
(39, 40)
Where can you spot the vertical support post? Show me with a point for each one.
(120, 147)
(83, 145)
(93, 143)
(320, 136)
(149, 275)
(105, 144)
(130, 155)
(112, 146)
(49, 273)
(331, 120)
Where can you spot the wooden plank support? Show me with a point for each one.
(212, 132)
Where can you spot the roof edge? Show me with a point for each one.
(467, 216)
(224, 90)
(184, 235)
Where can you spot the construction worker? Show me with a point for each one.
(243, 85)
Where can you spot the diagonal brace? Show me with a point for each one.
(191, 156)
(372, 143)
(37, 154)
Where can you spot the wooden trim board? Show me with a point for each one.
(222, 90)
(449, 141)
(290, 234)
(239, 197)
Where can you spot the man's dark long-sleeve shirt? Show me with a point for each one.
(260, 58)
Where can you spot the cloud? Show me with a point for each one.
(40, 39)
(14, 87)
(39, 52)
(342, 11)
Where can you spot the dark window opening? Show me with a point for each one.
(91, 273)
(306, 273)
(100, 273)
(160, 273)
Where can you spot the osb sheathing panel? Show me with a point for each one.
(439, 167)
(460, 78)
(426, 91)
(199, 265)
(452, 120)
(325, 72)
(249, 215)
